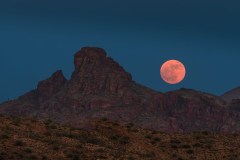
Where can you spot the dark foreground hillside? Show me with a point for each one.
(30, 139)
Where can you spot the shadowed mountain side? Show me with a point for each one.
(99, 87)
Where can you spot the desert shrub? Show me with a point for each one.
(197, 145)
(3, 153)
(208, 143)
(197, 135)
(73, 128)
(34, 136)
(55, 147)
(2, 157)
(82, 137)
(94, 140)
(101, 157)
(19, 143)
(115, 124)
(133, 130)
(130, 125)
(153, 142)
(7, 127)
(33, 157)
(206, 133)
(190, 151)
(59, 134)
(174, 155)
(209, 146)
(19, 155)
(4, 135)
(28, 150)
(51, 126)
(149, 155)
(233, 157)
(16, 121)
(124, 140)
(47, 133)
(100, 150)
(72, 156)
(157, 139)
(68, 135)
(148, 136)
(47, 122)
(109, 127)
(175, 141)
(104, 119)
(51, 141)
(179, 158)
(115, 137)
(185, 146)
(33, 120)
(79, 146)
(174, 146)
(130, 158)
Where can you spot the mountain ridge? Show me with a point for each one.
(99, 87)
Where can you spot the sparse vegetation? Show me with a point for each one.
(22, 139)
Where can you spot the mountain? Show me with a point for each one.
(28, 139)
(231, 95)
(233, 99)
(100, 88)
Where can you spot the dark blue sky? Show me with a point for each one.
(39, 37)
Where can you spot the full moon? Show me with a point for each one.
(172, 72)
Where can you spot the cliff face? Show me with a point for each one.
(100, 87)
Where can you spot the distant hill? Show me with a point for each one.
(232, 94)
(28, 139)
(100, 88)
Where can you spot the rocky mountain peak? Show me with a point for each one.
(95, 72)
(47, 88)
(94, 61)
(89, 55)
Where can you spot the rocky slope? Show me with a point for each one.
(28, 139)
(99, 87)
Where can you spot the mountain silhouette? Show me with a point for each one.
(100, 88)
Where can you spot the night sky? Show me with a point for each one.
(39, 37)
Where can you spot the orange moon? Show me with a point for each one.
(173, 72)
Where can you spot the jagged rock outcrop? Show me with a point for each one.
(100, 87)
(49, 87)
